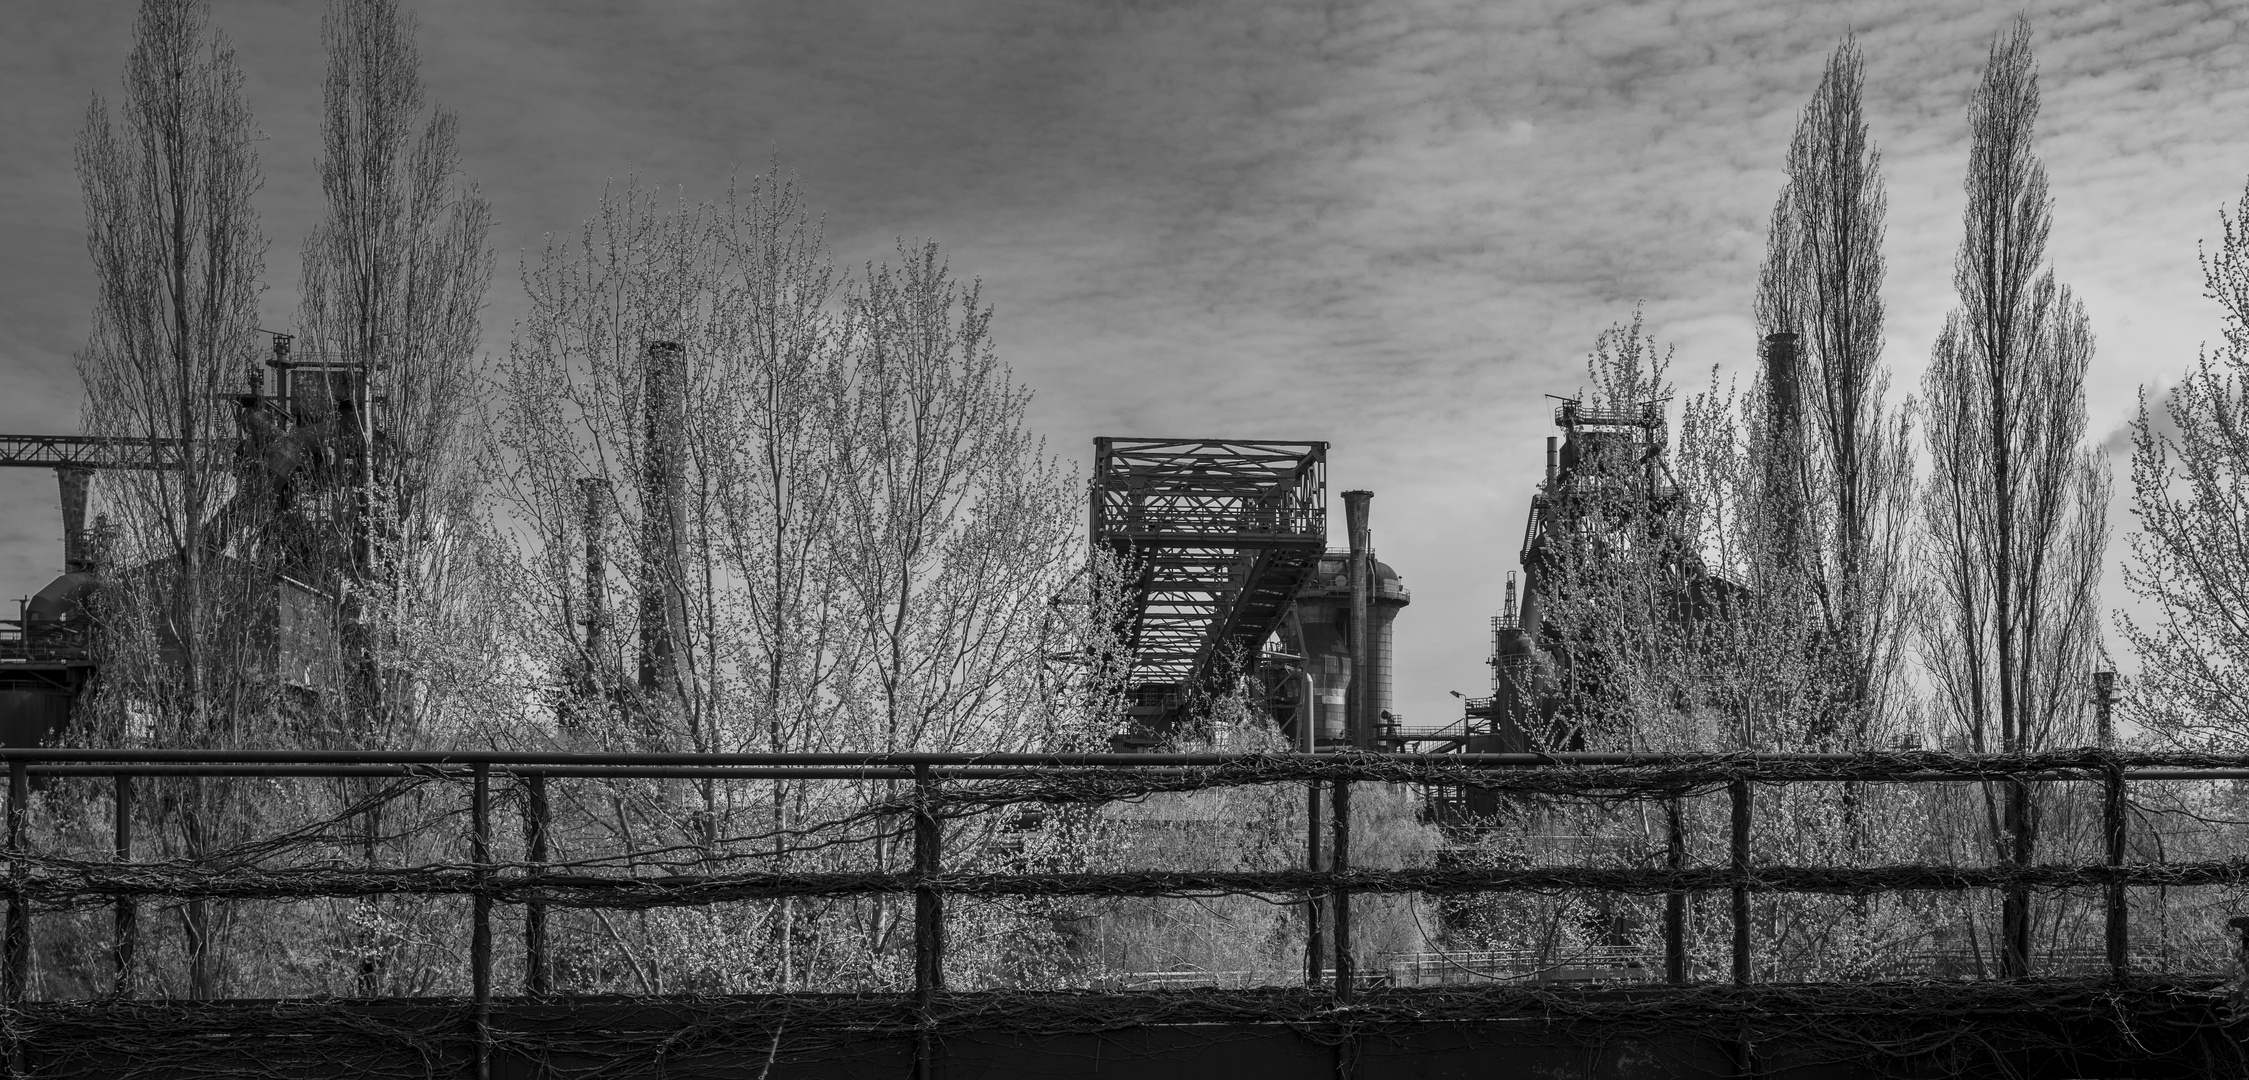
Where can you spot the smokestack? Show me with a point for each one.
(2104, 707)
(593, 495)
(1783, 443)
(1783, 378)
(1553, 459)
(1361, 719)
(663, 499)
(77, 553)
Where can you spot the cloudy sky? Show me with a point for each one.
(1392, 226)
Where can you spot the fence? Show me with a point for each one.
(920, 793)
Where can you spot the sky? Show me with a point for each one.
(1390, 226)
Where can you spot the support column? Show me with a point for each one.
(1359, 710)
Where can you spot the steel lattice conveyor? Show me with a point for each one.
(1217, 535)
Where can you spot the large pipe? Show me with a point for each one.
(1359, 716)
(1553, 460)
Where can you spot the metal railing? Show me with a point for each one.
(939, 786)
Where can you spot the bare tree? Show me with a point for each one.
(2190, 480)
(1835, 466)
(2014, 518)
(394, 282)
(177, 255)
(955, 528)
(845, 540)
(1618, 561)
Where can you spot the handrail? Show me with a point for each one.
(1907, 765)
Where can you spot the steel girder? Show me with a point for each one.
(1217, 534)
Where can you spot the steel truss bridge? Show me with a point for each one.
(523, 1021)
(1216, 536)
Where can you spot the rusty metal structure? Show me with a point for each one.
(299, 455)
(1597, 450)
(1216, 538)
(44, 660)
(1224, 545)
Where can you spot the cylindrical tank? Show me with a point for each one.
(1323, 619)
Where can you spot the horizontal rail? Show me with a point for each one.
(954, 785)
(100, 883)
(1904, 765)
(648, 772)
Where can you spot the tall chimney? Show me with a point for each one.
(593, 498)
(663, 498)
(1553, 459)
(1784, 442)
(1783, 384)
(2104, 707)
(1360, 716)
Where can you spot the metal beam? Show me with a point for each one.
(1221, 533)
(87, 452)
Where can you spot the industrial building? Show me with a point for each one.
(1223, 545)
(299, 454)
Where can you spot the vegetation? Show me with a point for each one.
(721, 495)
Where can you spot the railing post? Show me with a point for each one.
(1315, 946)
(480, 939)
(538, 977)
(1339, 862)
(123, 945)
(929, 921)
(2015, 900)
(2112, 818)
(1739, 789)
(1674, 903)
(19, 910)
(17, 976)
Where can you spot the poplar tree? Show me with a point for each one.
(393, 284)
(2014, 518)
(177, 255)
(394, 278)
(1834, 476)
